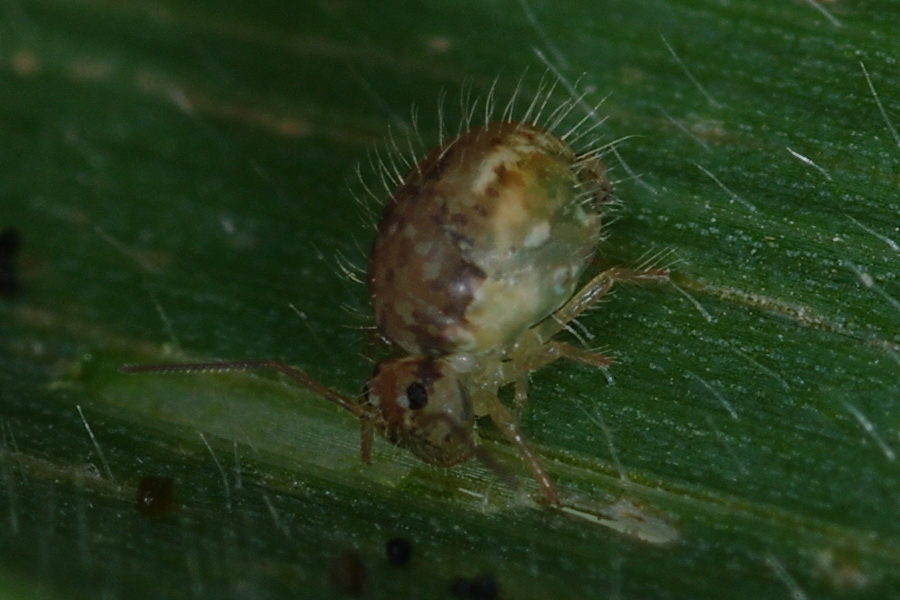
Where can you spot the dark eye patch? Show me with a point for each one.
(417, 395)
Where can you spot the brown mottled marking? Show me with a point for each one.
(477, 201)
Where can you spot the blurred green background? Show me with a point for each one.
(183, 177)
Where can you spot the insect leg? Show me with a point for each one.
(591, 293)
(521, 385)
(510, 428)
(582, 355)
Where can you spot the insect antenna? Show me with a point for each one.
(251, 365)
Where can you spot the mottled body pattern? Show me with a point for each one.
(485, 237)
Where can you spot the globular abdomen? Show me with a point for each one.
(486, 236)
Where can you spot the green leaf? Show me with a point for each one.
(183, 177)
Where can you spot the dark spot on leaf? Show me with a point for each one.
(10, 242)
(154, 496)
(348, 573)
(399, 551)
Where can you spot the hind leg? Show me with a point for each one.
(590, 294)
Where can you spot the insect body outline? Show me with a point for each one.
(473, 271)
